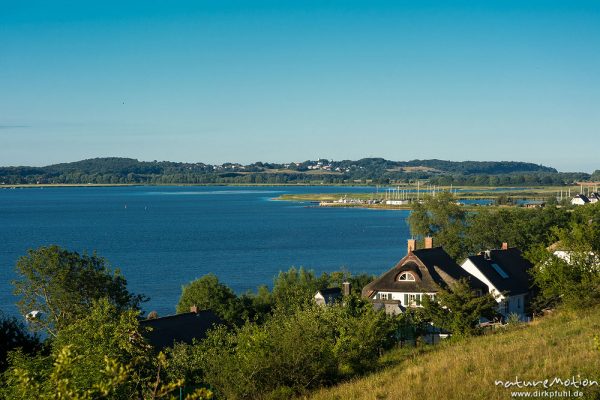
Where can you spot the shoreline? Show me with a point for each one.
(496, 189)
(65, 185)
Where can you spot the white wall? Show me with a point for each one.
(473, 270)
(516, 304)
(399, 296)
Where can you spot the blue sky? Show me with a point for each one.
(218, 81)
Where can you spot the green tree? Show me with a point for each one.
(294, 352)
(574, 278)
(207, 293)
(296, 287)
(573, 282)
(458, 309)
(257, 306)
(361, 335)
(520, 227)
(287, 353)
(62, 285)
(102, 354)
(503, 199)
(440, 217)
(54, 380)
(14, 335)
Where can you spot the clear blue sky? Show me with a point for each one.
(217, 81)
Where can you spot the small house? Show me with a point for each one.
(422, 272)
(506, 273)
(183, 328)
(580, 200)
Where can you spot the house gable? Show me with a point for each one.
(503, 270)
(432, 269)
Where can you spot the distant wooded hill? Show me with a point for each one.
(114, 170)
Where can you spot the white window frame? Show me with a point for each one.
(407, 275)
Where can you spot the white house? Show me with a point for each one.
(506, 274)
(422, 273)
(397, 202)
(580, 200)
(327, 297)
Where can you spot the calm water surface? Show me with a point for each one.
(164, 237)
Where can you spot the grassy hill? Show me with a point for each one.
(561, 345)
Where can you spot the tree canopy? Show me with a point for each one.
(207, 293)
(59, 286)
(441, 217)
(458, 309)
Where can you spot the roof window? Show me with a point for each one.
(406, 276)
(499, 270)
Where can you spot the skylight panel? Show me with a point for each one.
(500, 270)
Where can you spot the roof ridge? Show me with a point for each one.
(176, 315)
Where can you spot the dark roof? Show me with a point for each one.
(512, 263)
(179, 328)
(432, 269)
(333, 291)
(582, 197)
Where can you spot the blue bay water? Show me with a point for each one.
(164, 237)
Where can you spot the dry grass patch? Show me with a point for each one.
(561, 345)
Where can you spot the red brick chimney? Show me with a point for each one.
(429, 242)
(504, 246)
(412, 245)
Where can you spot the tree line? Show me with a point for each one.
(115, 170)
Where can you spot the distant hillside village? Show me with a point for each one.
(114, 170)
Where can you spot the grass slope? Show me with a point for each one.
(560, 345)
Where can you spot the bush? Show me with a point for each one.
(312, 347)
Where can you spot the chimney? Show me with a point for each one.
(504, 246)
(194, 309)
(429, 242)
(346, 288)
(412, 245)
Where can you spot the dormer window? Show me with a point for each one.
(406, 276)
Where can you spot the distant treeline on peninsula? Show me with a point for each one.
(114, 170)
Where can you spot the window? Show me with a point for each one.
(500, 271)
(414, 299)
(505, 305)
(406, 276)
(385, 296)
